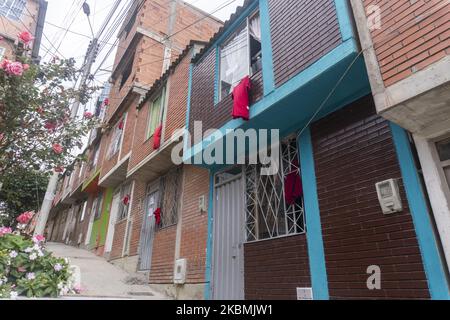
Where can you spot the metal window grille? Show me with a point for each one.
(170, 191)
(268, 215)
(12, 9)
(123, 209)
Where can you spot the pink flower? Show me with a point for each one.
(26, 67)
(4, 64)
(59, 169)
(21, 269)
(14, 68)
(88, 115)
(1, 38)
(106, 102)
(57, 148)
(77, 289)
(25, 217)
(50, 126)
(4, 230)
(38, 238)
(25, 37)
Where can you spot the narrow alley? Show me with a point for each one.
(111, 283)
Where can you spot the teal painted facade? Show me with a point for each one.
(433, 262)
(300, 98)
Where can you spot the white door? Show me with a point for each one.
(229, 238)
(148, 231)
(112, 222)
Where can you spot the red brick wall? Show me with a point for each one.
(137, 212)
(194, 224)
(175, 114)
(302, 32)
(353, 150)
(119, 237)
(274, 269)
(413, 35)
(163, 256)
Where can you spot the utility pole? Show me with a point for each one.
(53, 183)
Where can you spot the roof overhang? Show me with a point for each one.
(158, 162)
(117, 175)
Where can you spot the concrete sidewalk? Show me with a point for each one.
(102, 280)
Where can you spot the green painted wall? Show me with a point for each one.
(100, 226)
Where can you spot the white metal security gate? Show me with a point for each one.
(148, 229)
(112, 222)
(229, 237)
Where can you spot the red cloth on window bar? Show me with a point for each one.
(121, 125)
(158, 216)
(157, 138)
(293, 188)
(241, 99)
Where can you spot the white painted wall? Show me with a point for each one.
(438, 190)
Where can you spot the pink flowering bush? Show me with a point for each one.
(38, 132)
(28, 269)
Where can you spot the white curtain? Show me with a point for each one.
(234, 62)
(255, 27)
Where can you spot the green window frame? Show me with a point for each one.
(155, 112)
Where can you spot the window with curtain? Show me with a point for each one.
(123, 209)
(241, 55)
(12, 9)
(97, 209)
(116, 139)
(155, 112)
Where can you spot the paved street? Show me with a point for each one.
(102, 280)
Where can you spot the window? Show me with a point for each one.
(97, 207)
(116, 139)
(165, 194)
(270, 211)
(130, 23)
(155, 113)
(83, 213)
(2, 52)
(127, 72)
(241, 55)
(94, 157)
(12, 9)
(443, 148)
(123, 209)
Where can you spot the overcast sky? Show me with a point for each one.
(74, 42)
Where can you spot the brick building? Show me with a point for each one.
(358, 206)
(347, 199)
(149, 88)
(17, 16)
(407, 54)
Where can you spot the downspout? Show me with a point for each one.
(39, 30)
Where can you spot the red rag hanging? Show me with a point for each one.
(157, 138)
(158, 216)
(293, 188)
(121, 125)
(241, 99)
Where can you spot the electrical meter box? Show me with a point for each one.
(389, 196)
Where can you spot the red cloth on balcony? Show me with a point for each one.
(158, 216)
(241, 99)
(293, 188)
(157, 138)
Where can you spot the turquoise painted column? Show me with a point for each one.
(217, 76)
(316, 249)
(343, 12)
(209, 244)
(189, 97)
(266, 44)
(432, 260)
